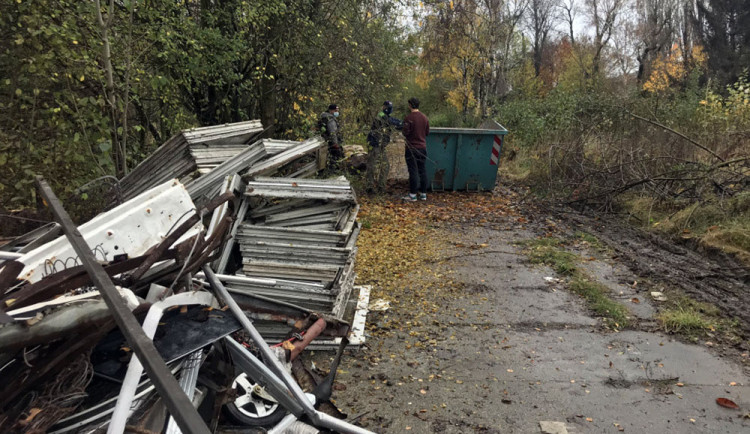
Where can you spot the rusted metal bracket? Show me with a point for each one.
(166, 385)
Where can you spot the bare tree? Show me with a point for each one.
(656, 31)
(541, 19)
(626, 44)
(569, 12)
(602, 15)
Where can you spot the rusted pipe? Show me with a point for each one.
(313, 332)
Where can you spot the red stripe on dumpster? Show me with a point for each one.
(495, 157)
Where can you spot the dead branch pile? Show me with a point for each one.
(645, 157)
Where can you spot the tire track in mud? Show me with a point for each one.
(719, 279)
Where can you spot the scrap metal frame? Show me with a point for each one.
(177, 402)
(286, 387)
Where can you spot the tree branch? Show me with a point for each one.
(674, 132)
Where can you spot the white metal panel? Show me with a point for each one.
(131, 228)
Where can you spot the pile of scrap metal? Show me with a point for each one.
(141, 288)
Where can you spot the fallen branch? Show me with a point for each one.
(674, 132)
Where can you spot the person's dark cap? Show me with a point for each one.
(414, 102)
(333, 107)
(388, 104)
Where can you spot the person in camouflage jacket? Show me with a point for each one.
(378, 138)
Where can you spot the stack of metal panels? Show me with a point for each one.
(211, 146)
(303, 234)
(325, 216)
(299, 236)
(291, 291)
(291, 260)
(322, 189)
(207, 185)
(274, 146)
(272, 165)
(296, 236)
(188, 151)
(171, 160)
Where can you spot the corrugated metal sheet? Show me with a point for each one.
(302, 230)
(188, 151)
(276, 162)
(274, 146)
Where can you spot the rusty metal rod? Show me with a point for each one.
(312, 332)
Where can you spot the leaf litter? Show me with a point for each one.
(401, 246)
(404, 253)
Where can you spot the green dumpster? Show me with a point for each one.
(464, 158)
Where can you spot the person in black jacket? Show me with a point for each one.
(378, 138)
(328, 124)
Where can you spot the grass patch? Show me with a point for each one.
(584, 236)
(681, 320)
(647, 211)
(733, 238)
(598, 299)
(366, 223)
(546, 251)
(692, 318)
(695, 320)
(591, 240)
(722, 224)
(685, 302)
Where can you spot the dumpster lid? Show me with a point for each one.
(494, 131)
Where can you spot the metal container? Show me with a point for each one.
(464, 158)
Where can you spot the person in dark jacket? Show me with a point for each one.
(331, 132)
(378, 138)
(416, 129)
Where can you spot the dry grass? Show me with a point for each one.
(716, 224)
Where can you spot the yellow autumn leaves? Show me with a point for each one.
(403, 246)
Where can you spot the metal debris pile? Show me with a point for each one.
(157, 314)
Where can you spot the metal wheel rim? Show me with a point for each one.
(248, 403)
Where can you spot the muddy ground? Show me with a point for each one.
(516, 347)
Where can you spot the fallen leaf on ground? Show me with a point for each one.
(728, 403)
(635, 300)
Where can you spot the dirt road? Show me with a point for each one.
(479, 340)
